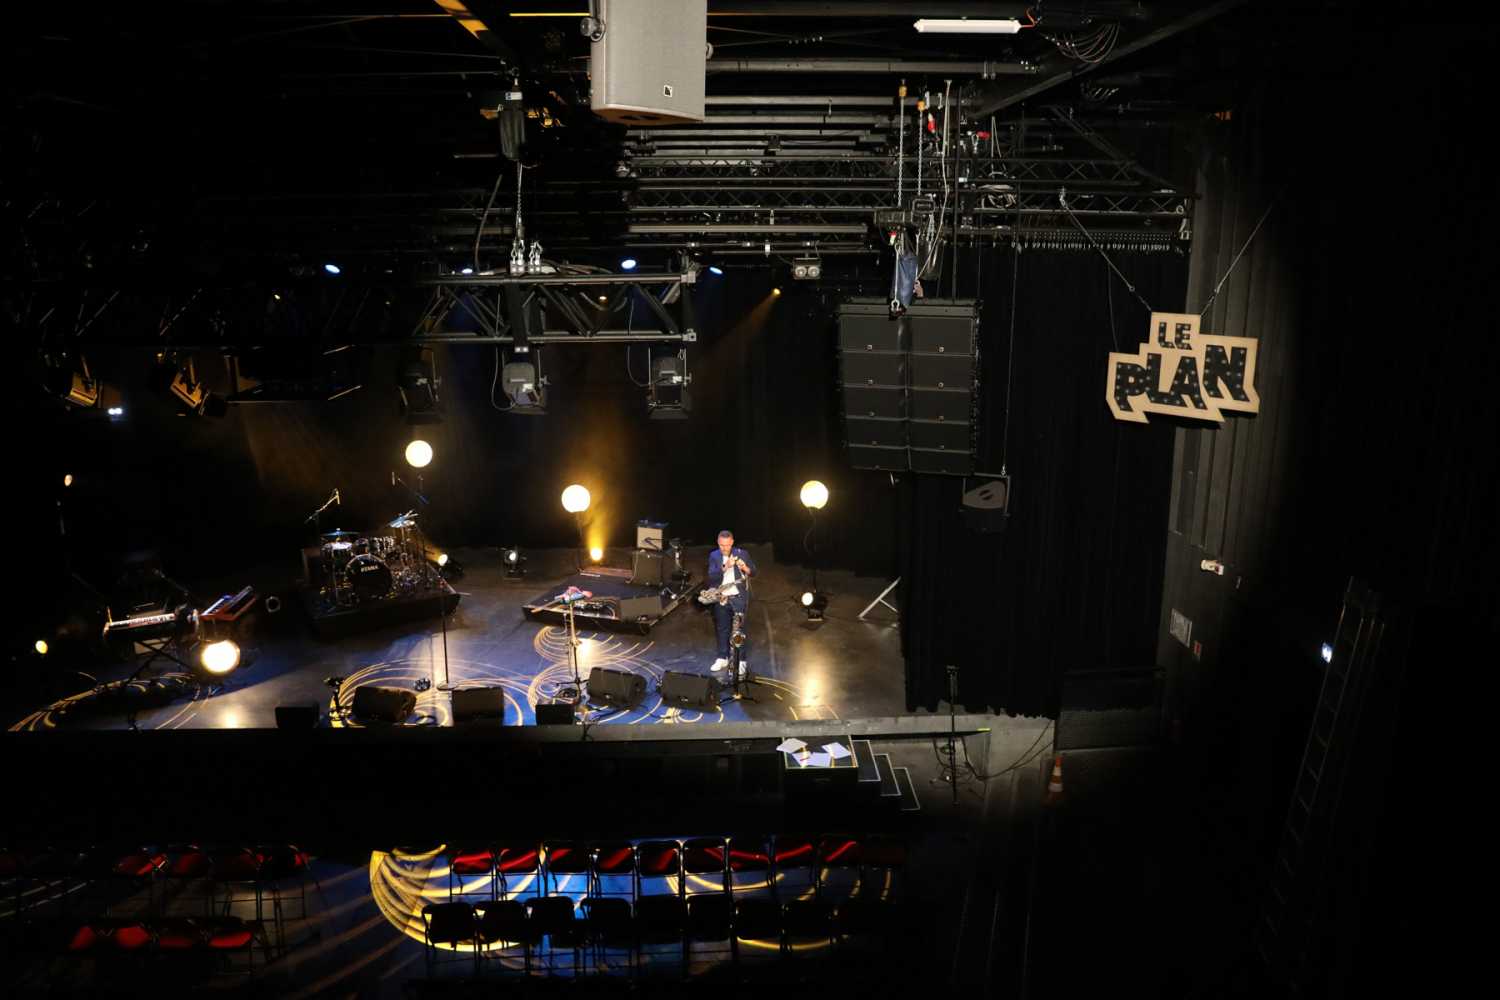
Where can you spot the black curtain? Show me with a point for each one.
(218, 496)
(1073, 581)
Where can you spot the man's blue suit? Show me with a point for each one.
(724, 613)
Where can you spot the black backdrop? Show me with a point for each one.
(1074, 580)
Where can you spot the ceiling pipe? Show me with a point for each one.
(987, 68)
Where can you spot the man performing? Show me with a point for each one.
(730, 570)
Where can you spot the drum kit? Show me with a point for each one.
(360, 568)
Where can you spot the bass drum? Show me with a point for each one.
(369, 577)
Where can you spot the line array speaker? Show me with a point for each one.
(909, 386)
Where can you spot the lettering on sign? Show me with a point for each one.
(1184, 373)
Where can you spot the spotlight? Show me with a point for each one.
(603, 298)
(628, 264)
(417, 384)
(813, 604)
(807, 268)
(1326, 652)
(814, 495)
(715, 269)
(418, 454)
(116, 411)
(179, 378)
(75, 384)
(68, 479)
(41, 647)
(219, 658)
(442, 559)
(575, 499)
(333, 269)
(596, 553)
(527, 392)
(467, 270)
(449, 567)
(775, 291)
(515, 562)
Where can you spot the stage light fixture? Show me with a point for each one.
(628, 264)
(596, 553)
(333, 269)
(775, 291)
(526, 391)
(116, 411)
(814, 603)
(1326, 652)
(515, 562)
(814, 495)
(68, 479)
(176, 375)
(807, 268)
(575, 499)
(966, 26)
(220, 658)
(75, 384)
(466, 270)
(417, 385)
(715, 269)
(41, 647)
(418, 454)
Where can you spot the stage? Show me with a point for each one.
(839, 668)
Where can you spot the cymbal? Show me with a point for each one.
(337, 533)
(404, 521)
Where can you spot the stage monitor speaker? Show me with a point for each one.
(689, 690)
(304, 716)
(647, 61)
(471, 704)
(635, 608)
(987, 505)
(554, 714)
(648, 569)
(383, 704)
(616, 687)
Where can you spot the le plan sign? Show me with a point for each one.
(1183, 373)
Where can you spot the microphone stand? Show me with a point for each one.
(316, 517)
(447, 684)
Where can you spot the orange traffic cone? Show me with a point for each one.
(1055, 786)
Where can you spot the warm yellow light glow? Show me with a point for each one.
(807, 598)
(41, 646)
(603, 298)
(442, 559)
(220, 657)
(775, 291)
(814, 495)
(575, 499)
(418, 454)
(596, 553)
(68, 479)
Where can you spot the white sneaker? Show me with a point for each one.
(719, 664)
(744, 668)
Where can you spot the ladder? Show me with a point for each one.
(1283, 933)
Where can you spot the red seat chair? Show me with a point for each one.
(229, 936)
(185, 865)
(562, 860)
(705, 859)
(610, 863)
(609, 925)
(839, 866)
(748, 857)
(238, 868)
(794, 855)
(466, 864)
(517, 860)
(658, 859)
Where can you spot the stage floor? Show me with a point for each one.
(839, 668)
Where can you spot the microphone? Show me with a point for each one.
(336, 498)
(393, 477)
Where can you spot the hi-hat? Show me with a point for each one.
(336, 534)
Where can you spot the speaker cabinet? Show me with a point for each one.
(876, 457)
(874, 368)
(941, 404)
(383, 704)
(944, 435)
(304, 716)
(648, 569)
(616, 687)
(554, 714)
(942, 371)
(881, 431)
(987, 505)
(947, 463)
(943, 330)
(473, 704)
(868, 327)
(635, 608)
(871, 401)
(647, 67)
(689, 690)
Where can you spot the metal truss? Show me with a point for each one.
(514, 309)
